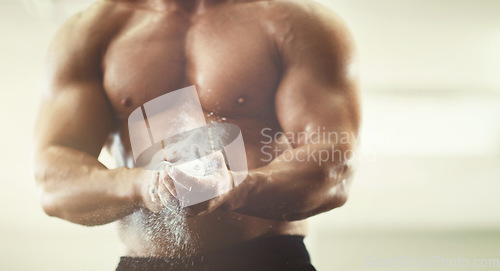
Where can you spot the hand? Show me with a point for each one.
(209, 187)
(208, 206)
(156, 191)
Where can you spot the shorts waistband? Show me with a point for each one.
(256, 254)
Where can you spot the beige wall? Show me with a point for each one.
(431, 93)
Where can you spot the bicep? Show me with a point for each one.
(319, 88)
(304, 107)
(75, 112)
(76, 117)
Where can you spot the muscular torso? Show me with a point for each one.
(228, 53)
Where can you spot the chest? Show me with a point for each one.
(228, 57)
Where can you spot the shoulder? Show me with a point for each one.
(312, 40)
(76, 49)
(83, 36)
(298, 10)
(91, 27)
(306, 21)
(308, 34)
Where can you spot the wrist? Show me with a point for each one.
(133, 180)
(240, 194)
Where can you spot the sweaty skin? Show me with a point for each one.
(284, 66)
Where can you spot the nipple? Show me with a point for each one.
(241, 100)
(126, 102)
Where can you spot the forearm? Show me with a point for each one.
(76, 187)
(294, 189)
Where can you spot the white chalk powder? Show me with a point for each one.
(190, 161)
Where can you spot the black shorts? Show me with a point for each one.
(276, 253)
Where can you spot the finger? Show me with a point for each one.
(196, 210)
(184, 180)
(167, 199)
(203, 208)
(153, 187)
(167, 182)
(154, 204)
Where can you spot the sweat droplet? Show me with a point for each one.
(223, 118)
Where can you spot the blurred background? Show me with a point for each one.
(428, 180)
